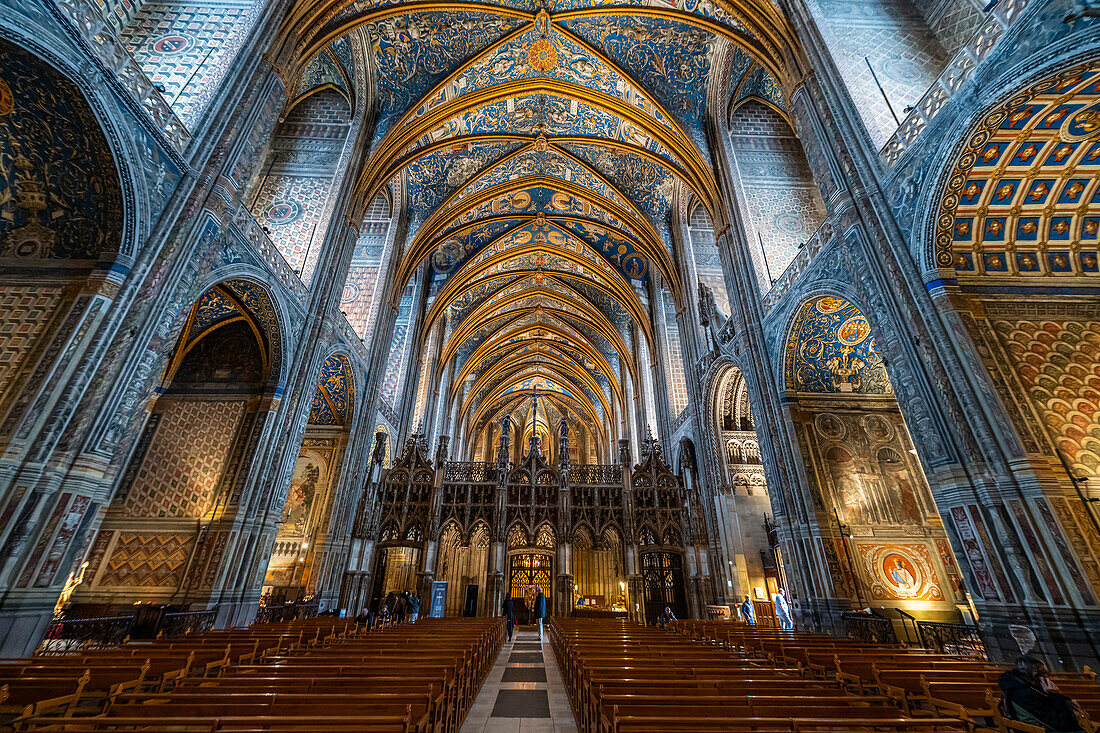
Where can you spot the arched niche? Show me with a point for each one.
(890, 52)
(752, 564)
(1017, 226)
(464, 565)
(780, 195)
(297, 180)
(297, 566)
(165, 533)
(708, 261)
(184, 49)
(361, 297)
(882, 535)
(599, 576)
(62, 212)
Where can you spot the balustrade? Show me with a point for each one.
(801, 261)
(117, 59)
(245, 223)
(951, 79)
(963, 639)
(469, 472)
(596, 475)
(870, 628)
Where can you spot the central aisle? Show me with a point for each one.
(523, 693)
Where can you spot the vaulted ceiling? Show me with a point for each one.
(539, 147)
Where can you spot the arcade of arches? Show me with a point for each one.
(648, 304)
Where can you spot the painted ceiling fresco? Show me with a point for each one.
(831, 349)
(333, 399)
(1021, 201)
(540, 145)
(333, 65)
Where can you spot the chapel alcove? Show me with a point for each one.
(299, 558)
(62, 217)
(754, 565)
(165, 536)
(885, 544)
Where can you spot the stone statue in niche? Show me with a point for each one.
(709, 315)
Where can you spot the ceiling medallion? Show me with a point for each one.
(542, 55)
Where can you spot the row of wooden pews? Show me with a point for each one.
(622, 677)
(918, 681)
(64, 683)
(315, 675)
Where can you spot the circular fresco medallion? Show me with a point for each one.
(789, 223)
(635, 266)
(878, 427)
(829, 304)
(903, 71)
(853, 331)
(542, 55)
(171, 43)
(830, 426)
(350, 293)
(7, 101)
(283, 212)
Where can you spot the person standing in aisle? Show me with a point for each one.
(540, 609)
(508, 610)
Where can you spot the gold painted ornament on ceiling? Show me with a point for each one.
(542, 55)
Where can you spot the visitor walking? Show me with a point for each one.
(414, 607)
(782, 610)
(540, 609)
(400, 606)
(747, 613)
(508, 610)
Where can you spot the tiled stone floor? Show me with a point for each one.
(523, 693)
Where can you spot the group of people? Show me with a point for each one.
(397, 608)
(782, 610)
(538, 611)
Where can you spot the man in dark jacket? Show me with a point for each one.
(508, 610)
(1030, 696)
(540, 609)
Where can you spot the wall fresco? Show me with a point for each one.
(60, 196)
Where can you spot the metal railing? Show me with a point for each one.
(951, 79)
(962, 639)
(182, 623)
(869, 628)
(117, 58)
(65, 634)
(801, 261)
(286, 612)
